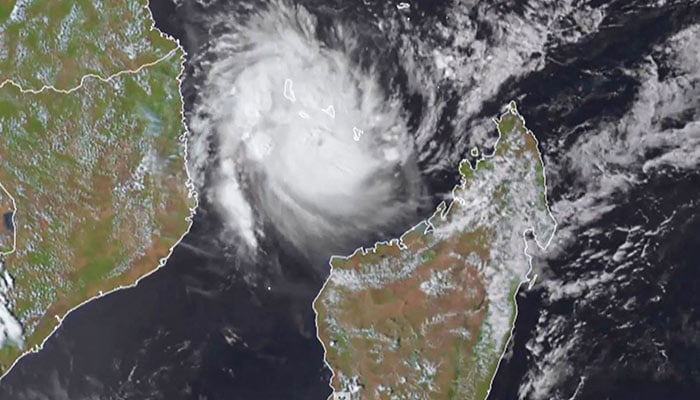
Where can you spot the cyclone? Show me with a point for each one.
(299, 134)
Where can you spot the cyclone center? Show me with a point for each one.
(319, 146)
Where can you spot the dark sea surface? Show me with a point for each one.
(193, 329)
(615, 312)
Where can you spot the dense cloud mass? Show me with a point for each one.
(304, 136)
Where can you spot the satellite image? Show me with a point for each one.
(349, 200)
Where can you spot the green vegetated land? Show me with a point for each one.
(57, 42)
(427, 316)
(97, 174)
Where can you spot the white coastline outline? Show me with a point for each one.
(443, 209)
(189, 184)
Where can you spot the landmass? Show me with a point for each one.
(59, 43)
(91, 150)
(428, 315)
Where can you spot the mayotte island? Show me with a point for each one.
(428, 315)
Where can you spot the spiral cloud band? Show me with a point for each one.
(304, 138)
